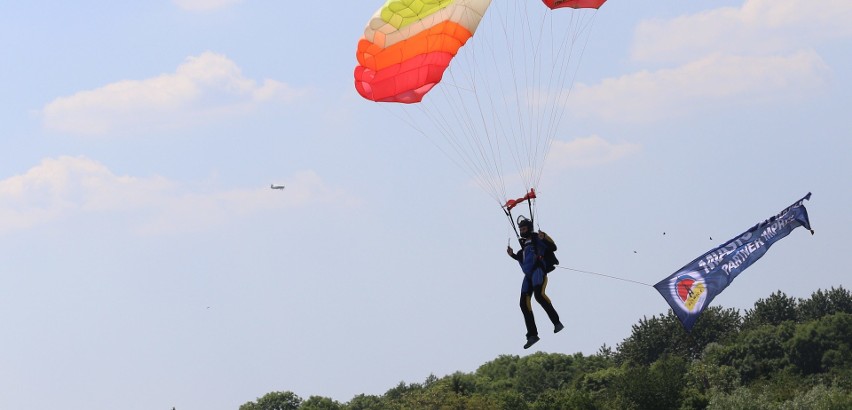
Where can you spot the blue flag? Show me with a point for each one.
(691, 289)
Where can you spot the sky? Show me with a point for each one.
(146, 264)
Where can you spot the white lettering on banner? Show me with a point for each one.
(742, 256)
(769, 229)
(712, 260)
(773, 229)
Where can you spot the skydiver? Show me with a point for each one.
(535, 266)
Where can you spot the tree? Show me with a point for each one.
(275, 401)
(650, 340)
(761, 352)
(539, 372)
(498, 374)
(366, 402)
(320, 403)
(822, 304)
(656, 387)
(662, 335)
(822, 345)
(774, 310)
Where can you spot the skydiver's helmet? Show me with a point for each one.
(525, 226)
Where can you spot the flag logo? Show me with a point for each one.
(690, 292)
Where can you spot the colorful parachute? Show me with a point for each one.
(498, 101)
(407, 45)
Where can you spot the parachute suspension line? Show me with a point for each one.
(493, 142)
(521, 107)
(454, 138)
(604, 275)
(474, 148)
(474, 153)
(515, 41)
(561, 53)
(530, 204)
(442, 128)
(513, 134)
(540, 102)
(532, 83)
(561, 60)
(479, 150)
(583, 32)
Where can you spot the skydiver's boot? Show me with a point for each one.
(559, 326)
(529, 320)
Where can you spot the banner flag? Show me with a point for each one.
(691, 289)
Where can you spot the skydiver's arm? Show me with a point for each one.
(512, 254)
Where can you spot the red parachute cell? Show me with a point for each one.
(574, 4)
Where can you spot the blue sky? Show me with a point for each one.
(147, 264)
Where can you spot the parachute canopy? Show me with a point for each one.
(497, 74)
(408, 44)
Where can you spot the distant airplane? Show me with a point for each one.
(277, 186)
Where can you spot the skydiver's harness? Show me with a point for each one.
(549, 256)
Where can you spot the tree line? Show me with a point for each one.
(784, 353)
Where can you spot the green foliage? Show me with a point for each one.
(275, 401)
(365, 402)
(563, 399)
(821, 397)
(740, 399)
(498, 374)
(818, 397)
(708, 375)
(511, 400)
(658, 386)
(774, 310)
(822, 345)
(757, 353)
(320, 403)
(782, 354)
(597, 384)
(653, 338)
(827, 303)
(540, 372)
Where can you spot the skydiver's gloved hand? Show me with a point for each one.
(510, 251)
(541, 235)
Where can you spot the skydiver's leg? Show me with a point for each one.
(529, 319)
(526, 307)
(544, 301)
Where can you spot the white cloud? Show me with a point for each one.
(588, 152)
(731, 57)
(758, 27)
(204, 5)
(65, 187)
(714, 80)
(203, 87)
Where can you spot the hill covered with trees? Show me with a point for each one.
(784, 353)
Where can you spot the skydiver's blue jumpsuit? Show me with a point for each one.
(530, 257)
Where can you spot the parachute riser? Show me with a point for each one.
(508, 212)
(507, 209)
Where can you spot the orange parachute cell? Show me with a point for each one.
(408, 44)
